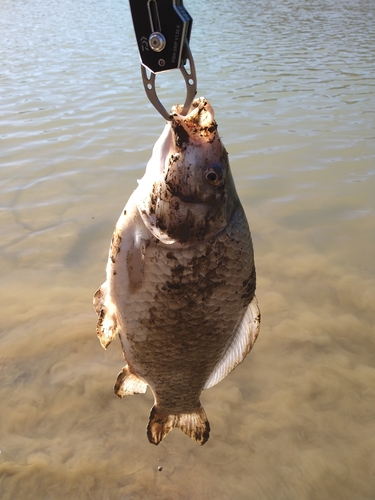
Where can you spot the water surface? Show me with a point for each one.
(292, 85)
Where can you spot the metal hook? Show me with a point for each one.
(190, 78)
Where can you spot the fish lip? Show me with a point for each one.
(198, 125)
(196, 107)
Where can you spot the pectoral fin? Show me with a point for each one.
(99, 297)
(240, 345)
(107, 324)
(135, 262)
(128, 384)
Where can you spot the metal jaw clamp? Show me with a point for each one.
(162, 29)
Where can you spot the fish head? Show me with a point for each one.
(187, 194)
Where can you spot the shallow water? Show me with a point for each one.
(292, 85)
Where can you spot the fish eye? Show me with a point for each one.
(214, 174)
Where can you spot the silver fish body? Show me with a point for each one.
(180, 277)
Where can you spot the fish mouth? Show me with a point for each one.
(198, 125)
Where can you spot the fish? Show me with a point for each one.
(181, 279)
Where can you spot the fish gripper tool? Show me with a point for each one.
(162, 29)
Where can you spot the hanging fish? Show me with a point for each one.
(180, 277)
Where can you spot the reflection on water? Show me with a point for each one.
(292, 86)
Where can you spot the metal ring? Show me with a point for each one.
(190, 81)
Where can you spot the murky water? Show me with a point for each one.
(292, 84)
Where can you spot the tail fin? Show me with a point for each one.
(194, 425)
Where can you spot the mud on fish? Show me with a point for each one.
(180, 277)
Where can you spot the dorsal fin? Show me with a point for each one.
(240, 344)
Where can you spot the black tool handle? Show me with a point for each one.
(161, 28)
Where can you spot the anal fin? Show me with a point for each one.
(194, 424)
(128, 384)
